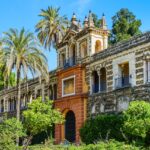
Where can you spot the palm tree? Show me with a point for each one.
(22, 54)
(50, 25)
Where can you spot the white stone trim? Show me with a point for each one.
(70, 77)
(132, 70)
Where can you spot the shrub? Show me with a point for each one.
(137, 120)
(102, 127)
(10, 129)
(109, 145)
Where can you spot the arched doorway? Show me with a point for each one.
(70, 132)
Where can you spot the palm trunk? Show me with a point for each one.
(18, 95)
(18, 101)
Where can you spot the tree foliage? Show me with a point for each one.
(9, 130)
(125, 25)
(137, 119)
(40, 116)
(97, 22)
(21, 52)
(11, 80)
(50, 24)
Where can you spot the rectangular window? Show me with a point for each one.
(123, 78)
(68, 86)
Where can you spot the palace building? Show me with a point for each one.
(91, 77)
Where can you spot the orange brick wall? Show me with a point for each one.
(78, 72)
(75, 103)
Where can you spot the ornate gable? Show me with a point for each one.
(68, 36)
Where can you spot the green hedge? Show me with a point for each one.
(110, 145)
(102, 127)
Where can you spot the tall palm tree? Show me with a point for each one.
(22, 54)
(50, 24)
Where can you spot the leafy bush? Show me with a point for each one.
(102, 127)
(137, 120)
(132, 126)
(10, 129)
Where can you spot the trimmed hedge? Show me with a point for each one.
(102, 127)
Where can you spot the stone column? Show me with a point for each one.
(30, 98)
(5, 104)
(98, 72)
(67, 53)
(78, 52)
(91, 82)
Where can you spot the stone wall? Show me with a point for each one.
(117, 100)
(29, 91)
(136, 52)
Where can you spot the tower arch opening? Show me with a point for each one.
(98, 46)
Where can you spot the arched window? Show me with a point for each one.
(95, 85)
(98, 46)
(103, 81)
(83, 49)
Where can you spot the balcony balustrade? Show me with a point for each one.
(95, 87)
(122, 82)
(69, 62)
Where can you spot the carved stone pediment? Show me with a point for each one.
(68, 36)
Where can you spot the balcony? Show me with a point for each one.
(122, 82)
(103, 86)
(95, 87)
(69, 62)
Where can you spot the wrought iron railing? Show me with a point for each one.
(95, 88)
(69, 62)
(102, 86)
(122, 82)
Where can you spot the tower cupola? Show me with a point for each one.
(103, 22)
(85, 22)
(74, 19)
(90, 20)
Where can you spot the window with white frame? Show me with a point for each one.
(147, 71)
(68, 86)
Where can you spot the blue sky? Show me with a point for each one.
(24, 13)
